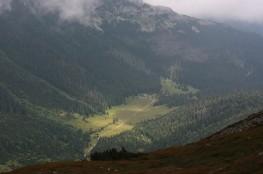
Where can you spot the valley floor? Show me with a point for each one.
(119, 119)
(237, 149)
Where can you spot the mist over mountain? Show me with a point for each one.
(248, 27)
(242, 15)
(83, 74)
(224, 10)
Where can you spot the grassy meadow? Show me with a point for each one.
(119, 119)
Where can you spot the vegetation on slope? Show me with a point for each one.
(119, 119)
(56, 74)
(187, 123)
(28, 139)
(29, 135)
(239, 152)
(76, 68)
(134, 110)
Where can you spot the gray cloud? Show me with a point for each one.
(82, 11)
(4, 5)
(243, 10)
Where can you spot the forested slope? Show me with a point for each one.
(188, 123)
(83, 69)
(28, 135)
(234, 152)
(54, 70)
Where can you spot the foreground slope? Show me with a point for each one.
(236, 149)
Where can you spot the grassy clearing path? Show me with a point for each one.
(119, 119)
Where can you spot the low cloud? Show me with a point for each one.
(5, 5)
(242, 10)
(82, 10)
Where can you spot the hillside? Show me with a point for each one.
(186, 123)
(78, 68)
(236, 149)
(115, 74)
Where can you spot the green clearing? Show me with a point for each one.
(170, 88)
(119, 119)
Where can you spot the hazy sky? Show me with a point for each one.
(244, 10)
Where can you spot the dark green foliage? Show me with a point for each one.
(25, 86)
(9, 103)
(113, 154)
(29, 139)
(187, 123)
(177, 100)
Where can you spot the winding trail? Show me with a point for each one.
(94, 138)
(120, 119)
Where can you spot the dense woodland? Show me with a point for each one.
(28, 136)
(113, 154)
(187, 123)
(72, 67)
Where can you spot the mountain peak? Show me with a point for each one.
(96, 13)
(136, 1)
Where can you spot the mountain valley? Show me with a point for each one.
(215, 154)
(120, 73)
